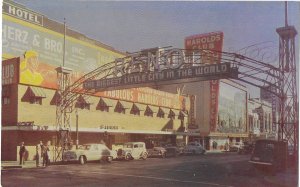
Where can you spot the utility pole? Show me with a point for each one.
(77, 140)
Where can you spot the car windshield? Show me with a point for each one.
(128, 145)
(84, 147)
(264, 148)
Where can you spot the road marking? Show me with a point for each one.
(165, 179)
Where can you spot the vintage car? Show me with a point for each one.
(173, 150)
(157, 152)
(235, 147)
(270, 155)
(89, 152)
(133, 150)
(193, 148)
(246, 148)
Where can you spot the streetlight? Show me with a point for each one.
(77, 141)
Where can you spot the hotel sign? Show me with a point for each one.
(22, 13)
(167, 76)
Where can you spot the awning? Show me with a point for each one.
(153, 108)
(107, 102)
(141, 107)
(183, 113)
(174, 112)
(36, 92)
(125, 105)
(56, 98)
(164, 110)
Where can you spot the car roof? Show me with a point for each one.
(134, 143)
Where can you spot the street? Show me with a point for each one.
(218, 169)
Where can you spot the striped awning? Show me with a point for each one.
(183, 113)
(153, 108)
(164, 110)
(125, 104)
(141, 107)
(36, 92)
(107, 102)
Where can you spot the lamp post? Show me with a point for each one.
(77, 141)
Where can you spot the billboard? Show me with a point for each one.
(24, 30)
(210, 41)
(232, 114)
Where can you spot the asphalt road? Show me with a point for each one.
(210, 170)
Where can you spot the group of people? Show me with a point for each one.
(42, 156)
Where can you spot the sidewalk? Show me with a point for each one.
(15, 164)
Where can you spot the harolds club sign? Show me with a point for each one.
(210, 41)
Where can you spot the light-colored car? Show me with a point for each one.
(235, 147)
(90, 152)
(133, 150)
(193, 148)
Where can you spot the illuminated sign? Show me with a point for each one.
(192, 115)
(197, 73)
(209, 41)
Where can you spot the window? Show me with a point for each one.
(33, 95)
(104, 105)
(148, 112)
(35, 100)
(134, 110)
(171, 114)
(5, 95)
(5, 100)
(56, 98)
(122, 106)
(82, 103)
(119, 108)
(162, 112)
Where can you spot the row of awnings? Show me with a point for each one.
(141, 107)
(105, 102)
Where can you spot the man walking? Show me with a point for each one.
(22, 153)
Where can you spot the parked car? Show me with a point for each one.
(246, 148)
(194, 148)
(235, 147)
(157, 152)
(90, 152)
(270, 154)
(133, 150)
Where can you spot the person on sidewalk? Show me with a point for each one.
(22, 153)
(41, 156)
(45, 156)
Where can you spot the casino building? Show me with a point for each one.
(32, 46)
(32, 50)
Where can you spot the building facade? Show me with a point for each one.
(260, 120)
(32, 50)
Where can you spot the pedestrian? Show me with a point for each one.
(45, 156)
(41, 153)
(22, 153)
(37, 155)
(48, 152)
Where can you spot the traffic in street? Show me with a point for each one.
(211, 169)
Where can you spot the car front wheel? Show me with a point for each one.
(127, 157)
(109, 159)
(82, 160)
(144, 157)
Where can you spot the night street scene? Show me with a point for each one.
(150, 93)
